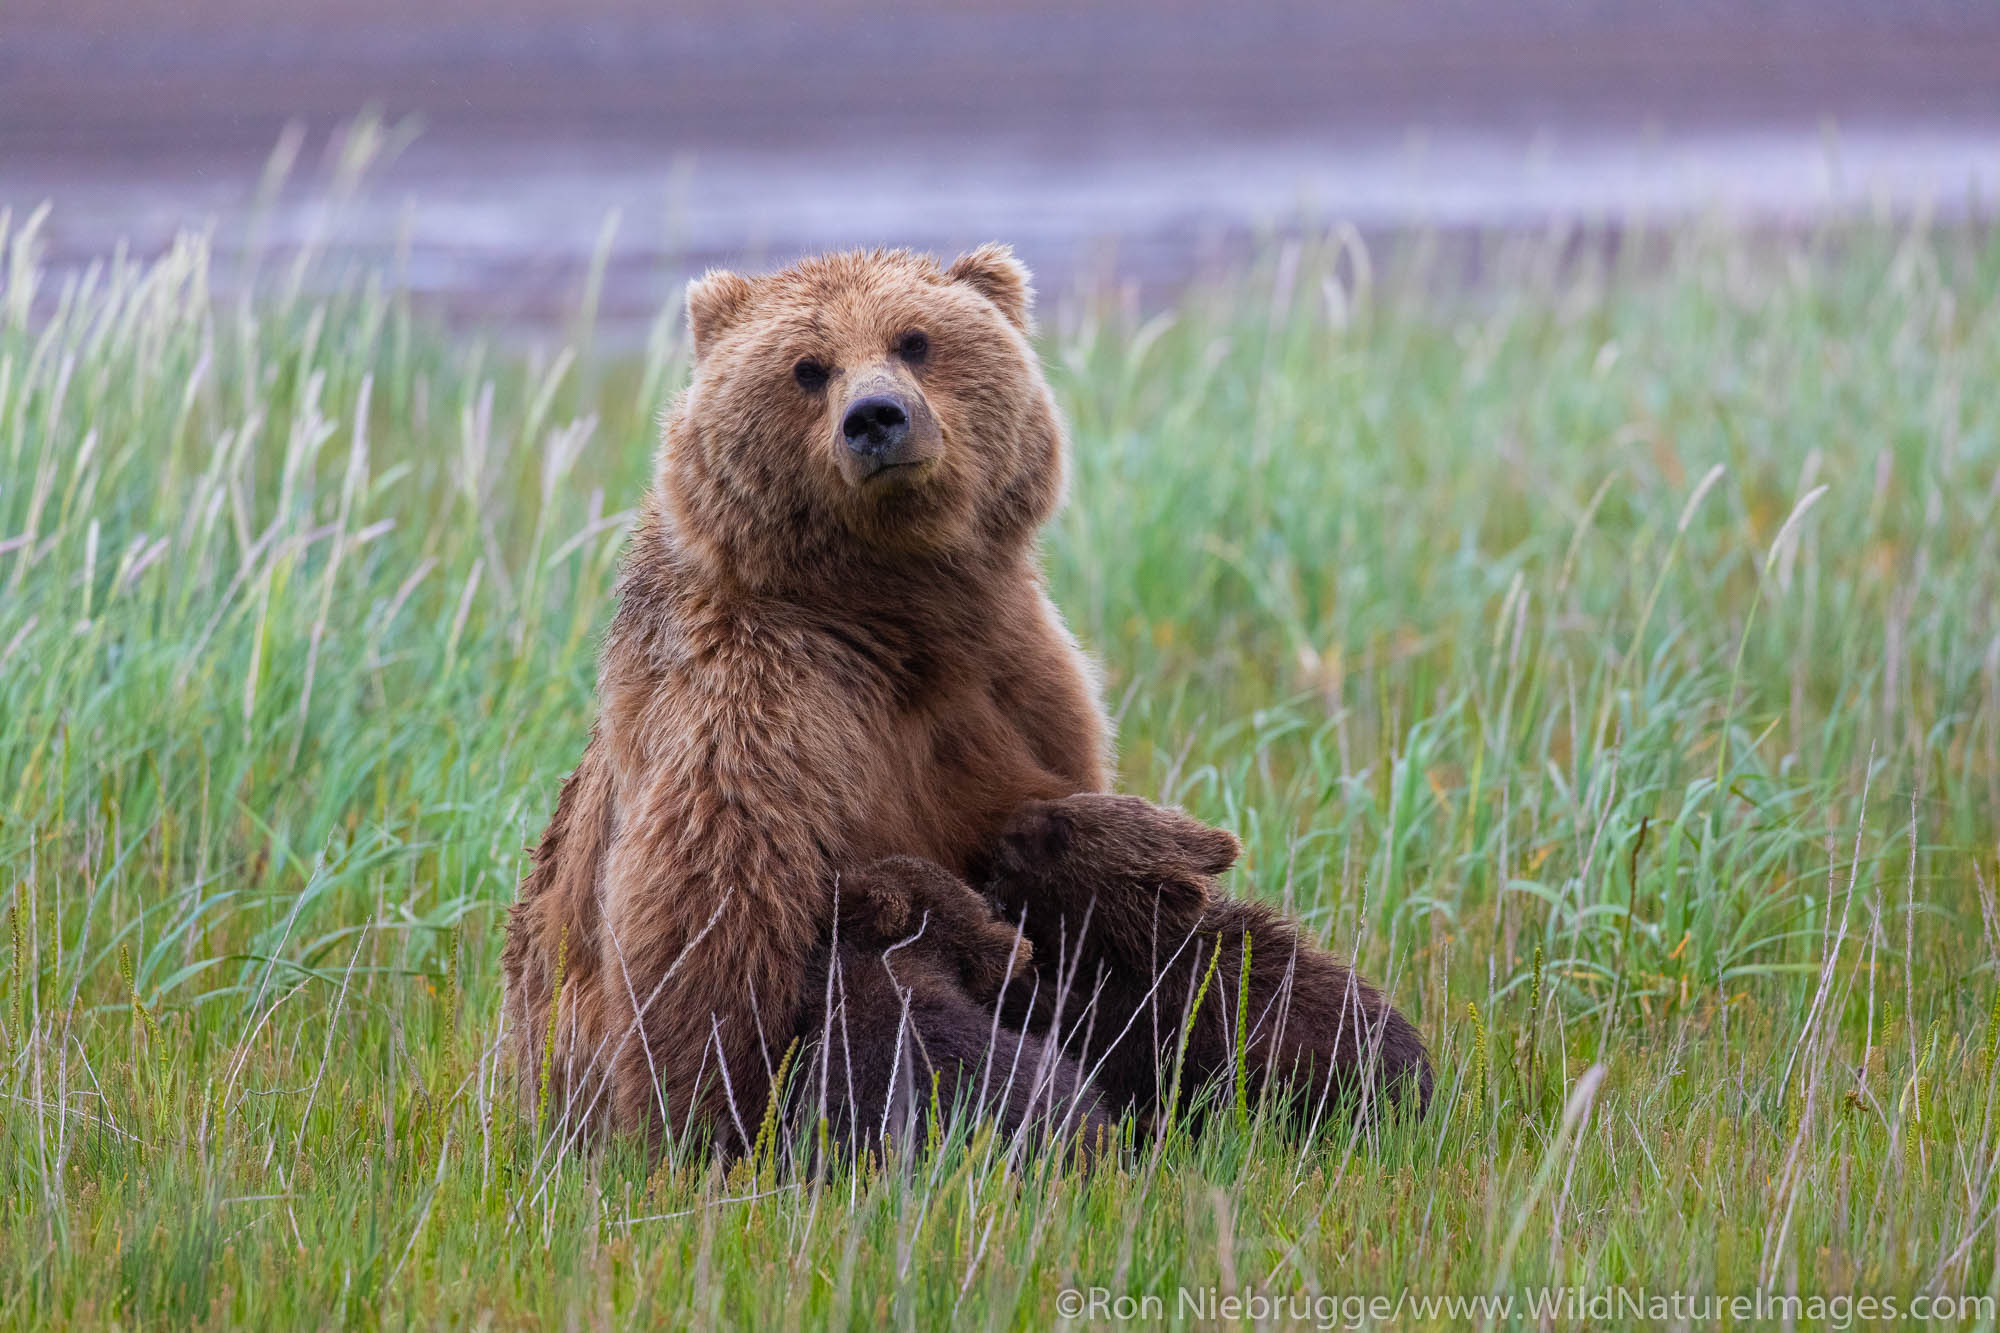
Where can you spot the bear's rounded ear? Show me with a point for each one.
(715, 301)
(1214, 850)
(994, 273)
(1209, 850)
(871, 907)
(997, 956)
(1041, 834)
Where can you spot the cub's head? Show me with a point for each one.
(862, 408)
(931, 929)
(1125, 865)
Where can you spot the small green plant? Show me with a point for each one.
(764, 1152)
(1242, 1044)
(1187, 1030)
(142, 1014)
(453, 998)
(1475, 1074)
(1992, 1032)
(21, 980)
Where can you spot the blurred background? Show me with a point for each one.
(507, 144)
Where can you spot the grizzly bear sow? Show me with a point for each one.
(1118, 898)
(832, 646)
(907, 1009)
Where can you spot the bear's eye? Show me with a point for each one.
(914, 345)
(810, 374)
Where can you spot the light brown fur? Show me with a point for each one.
(805, 674)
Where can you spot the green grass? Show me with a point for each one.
(1609, 656)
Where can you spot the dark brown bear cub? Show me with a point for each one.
(906, 997)
(1118, 898)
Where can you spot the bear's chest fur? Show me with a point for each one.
(963, 723)
(882, 733)
(965, 759)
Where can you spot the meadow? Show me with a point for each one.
(1607, 654)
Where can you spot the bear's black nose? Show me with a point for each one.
(876, 426)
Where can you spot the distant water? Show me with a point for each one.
(505, 233)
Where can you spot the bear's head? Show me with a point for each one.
(857, 410)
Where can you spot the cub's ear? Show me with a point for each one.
(872, 908)
(1211, 851)
(994, 273)
(1039, 834)
(992, 959)
(715, 301)
(1214, 850)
